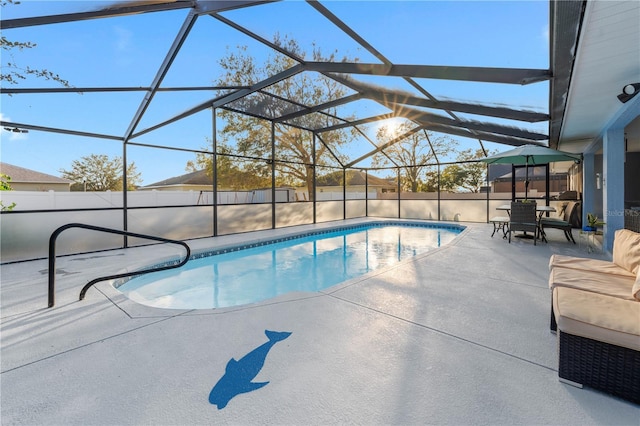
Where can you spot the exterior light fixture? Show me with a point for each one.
(629, 91)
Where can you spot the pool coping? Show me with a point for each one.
(136, 309)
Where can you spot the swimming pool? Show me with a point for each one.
(309, 263)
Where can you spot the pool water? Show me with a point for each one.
(308, 264)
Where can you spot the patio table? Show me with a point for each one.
(540, 209)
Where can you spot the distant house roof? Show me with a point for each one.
(534, 173)
(498, 170)
(22, 175)
(195, 178)
(201, 177)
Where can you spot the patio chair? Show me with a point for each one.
(569, 214)
(524, 218)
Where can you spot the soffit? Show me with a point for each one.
(607, 58)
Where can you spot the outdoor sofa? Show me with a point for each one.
(595, 310)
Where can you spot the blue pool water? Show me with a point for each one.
(309, 263)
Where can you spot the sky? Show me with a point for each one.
(127, 51)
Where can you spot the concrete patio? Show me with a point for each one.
(459, 335)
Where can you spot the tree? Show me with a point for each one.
(11, 71)
(475, 173)
(467, 176)
(5, 185)
(5, 182)
(412, 154)
(100, 173)
(251, 136)
(452, 178)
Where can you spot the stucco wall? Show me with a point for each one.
(36, 186)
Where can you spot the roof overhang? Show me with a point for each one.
(595, 52)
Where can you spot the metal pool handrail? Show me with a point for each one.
(52, 257)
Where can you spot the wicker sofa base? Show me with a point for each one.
(598, 365)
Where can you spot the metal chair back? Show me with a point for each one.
(524, 218)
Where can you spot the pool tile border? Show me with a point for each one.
(209, 253)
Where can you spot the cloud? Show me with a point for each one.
(123, 46)
(123, 39)
(545, 33)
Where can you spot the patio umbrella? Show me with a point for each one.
(531, 155)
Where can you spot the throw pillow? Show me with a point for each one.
(626, 250)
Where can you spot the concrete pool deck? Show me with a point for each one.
(459, 335)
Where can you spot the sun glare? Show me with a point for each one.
(392, 127)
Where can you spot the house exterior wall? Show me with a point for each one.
(356, 188)
(556, 185)
(176, 188)
(40, 186)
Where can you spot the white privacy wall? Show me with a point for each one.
(52, 200)
(183, 215)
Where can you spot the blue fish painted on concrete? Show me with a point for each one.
(238, 374)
